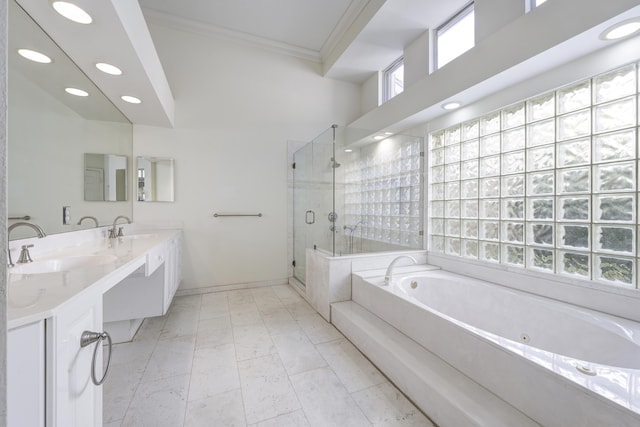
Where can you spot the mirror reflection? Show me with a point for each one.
(155, 179)
(50, 130)
(105, 177)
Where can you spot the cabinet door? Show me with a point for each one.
(179, 245)
(26, 375)
(72, 398)
(172, 269)
(169, 268)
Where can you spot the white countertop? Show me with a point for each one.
(33, 297)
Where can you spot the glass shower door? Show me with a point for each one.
(313, 201)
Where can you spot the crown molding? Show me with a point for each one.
(356, 7)
(178, 23)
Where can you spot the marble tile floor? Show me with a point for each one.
(254, 357)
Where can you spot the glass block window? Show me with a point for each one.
(383, 192)
(548, 184)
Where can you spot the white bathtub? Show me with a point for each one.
(560, 364)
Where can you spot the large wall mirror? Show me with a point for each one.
(49, 133)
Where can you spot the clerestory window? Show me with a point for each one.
(393, 80)
(455, 37)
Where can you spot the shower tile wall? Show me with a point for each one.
(383, 194)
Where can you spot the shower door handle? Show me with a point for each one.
(310, 214)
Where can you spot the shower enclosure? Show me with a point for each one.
(353, 193)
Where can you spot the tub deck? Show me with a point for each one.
(461, 377)
(446, 395)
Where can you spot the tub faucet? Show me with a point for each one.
(389, 273)
(23, 256)
(112, 231)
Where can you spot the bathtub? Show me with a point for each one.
(561, 365)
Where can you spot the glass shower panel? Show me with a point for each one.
(313, 200)
(301, 216)
(354, 195)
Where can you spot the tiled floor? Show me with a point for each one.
(258, 357)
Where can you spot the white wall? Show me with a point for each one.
(491, 15)
(236, 107)
(416, 59)
(371, 92)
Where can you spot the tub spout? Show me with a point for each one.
(389, 273)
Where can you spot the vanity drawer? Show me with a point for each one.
(155, 258)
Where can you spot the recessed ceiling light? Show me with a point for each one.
(452, 105)
(34, 56)
(72, 12)
(348, 150)
(108, 68)
(388, 133)
(378, 137)
(76, 92)
(131, 99)
(621, 29)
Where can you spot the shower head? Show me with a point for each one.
(334, 163)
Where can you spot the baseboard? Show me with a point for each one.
(232, 287)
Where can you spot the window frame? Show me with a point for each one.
(448, 24)
(532, 4)
(386, 76)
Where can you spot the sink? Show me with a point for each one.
(138, 236)
(62, 264)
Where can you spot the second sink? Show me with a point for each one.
(55, 265)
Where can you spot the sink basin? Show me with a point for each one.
(139, 236)
(61, 264)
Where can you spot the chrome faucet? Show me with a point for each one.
(24, 254)
(112, 231)
(352, 230)
(93, 218)
(389, 273)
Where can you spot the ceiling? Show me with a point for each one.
(352, 38)
(119, 36)
(52, 78)
(304, 27)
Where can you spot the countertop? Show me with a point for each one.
(33, 297)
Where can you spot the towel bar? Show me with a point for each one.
(216, 215)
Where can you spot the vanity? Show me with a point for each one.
(84, 289)
(90, 282)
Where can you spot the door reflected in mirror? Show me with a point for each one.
(155, 179)
(105, 177)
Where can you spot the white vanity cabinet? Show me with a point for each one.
(49, 374)
(73, 400)
(172, 270)
(26, 375)
(147, 292)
